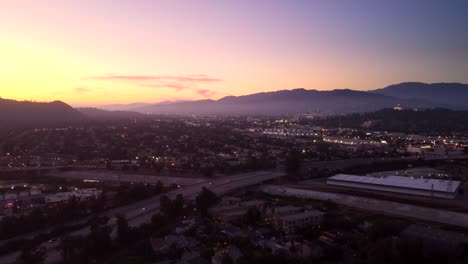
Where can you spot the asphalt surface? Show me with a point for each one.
(124, 177)
(381, 206)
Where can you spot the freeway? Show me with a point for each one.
(123, 177)
(142, 211)
(344, 163)
(381, 206)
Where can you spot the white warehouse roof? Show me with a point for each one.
(402, 182)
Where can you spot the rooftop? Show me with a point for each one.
(252, 203)
(285, 209)
(400, 181)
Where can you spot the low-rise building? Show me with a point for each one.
(283, 210)
(292, 222)
(53, 199)
(399, 184)
(232, 208)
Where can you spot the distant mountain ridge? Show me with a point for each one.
(122, 107)
(99, 114)
(27, 114)
(340, 101)
(18, 114)
(129, 107)
(287, 102)
(452, 95)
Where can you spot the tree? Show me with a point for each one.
(293, 163)
(159, 220)
(253, 216)
(207, 171)
(31, 254)
(15, 207)
(165, 204)
(172, 208)
(124, 231)
(99, 240)
(177, 206)
(395, 250)
(159, 186)
(227, 259)
(98, 204)
(73, 249)
(461, 252)
(205, 199)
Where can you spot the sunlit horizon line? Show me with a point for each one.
(176, 100)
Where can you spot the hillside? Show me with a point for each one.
(450, 95)
(99, 114)
(287, 102)
(19, 114)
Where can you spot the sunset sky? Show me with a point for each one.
(94, 52)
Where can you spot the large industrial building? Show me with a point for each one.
(398, 184)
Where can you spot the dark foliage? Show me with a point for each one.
(205, 199)
(408, 121)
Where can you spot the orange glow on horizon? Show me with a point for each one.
(182, 50)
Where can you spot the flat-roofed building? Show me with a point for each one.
(292, 222)
(399, 184)
(283, 210)
(228, 211)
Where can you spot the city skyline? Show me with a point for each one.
(103, 52)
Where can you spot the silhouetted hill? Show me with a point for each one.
(19, 114)
(287, 102)
(122, 107)
(451, 95)
(410, 121)
(99, 114)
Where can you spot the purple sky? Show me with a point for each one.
(74, 50)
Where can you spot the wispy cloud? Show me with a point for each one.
(177, 87)
(206, 93)
(176, 82)
(82, 90)
(181, 78)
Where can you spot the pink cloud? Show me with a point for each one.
(183, 78)
(82, 90)
(177, 87)
(206, 93)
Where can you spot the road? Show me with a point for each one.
(381, 206)
(142, 211)
(124, 177)
(341, 164)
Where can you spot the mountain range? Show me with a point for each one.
(410, 94)
(18, 114)
(15, 114)
(284, 102)
(100, 114)
(450, 95)
(27, 114)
